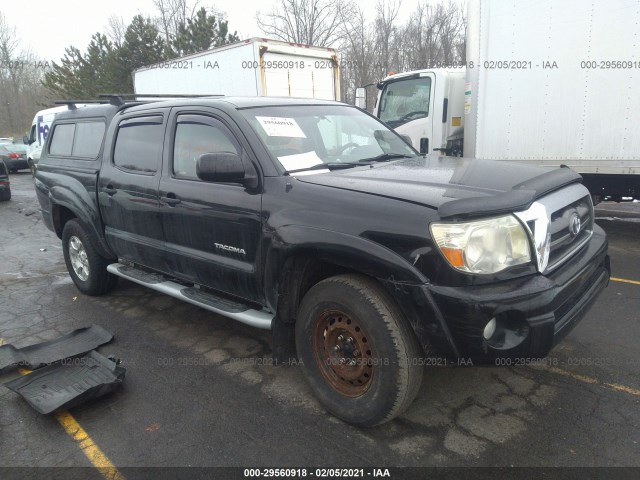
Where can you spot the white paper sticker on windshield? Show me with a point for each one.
(281, 127)
(302, 160)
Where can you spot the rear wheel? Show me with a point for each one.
(87, 267)
(358, 351)
(5, 195)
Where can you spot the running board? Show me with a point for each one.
(222, 306)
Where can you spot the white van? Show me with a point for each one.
(38, 134)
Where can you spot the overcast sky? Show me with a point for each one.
(48, 26)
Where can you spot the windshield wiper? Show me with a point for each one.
(327, 166)
(385, 157)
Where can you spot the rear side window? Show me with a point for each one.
(88, 140)
(62, 139)
(77, 140)
(139, 144)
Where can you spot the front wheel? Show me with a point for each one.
(88, 269)
(358, 351)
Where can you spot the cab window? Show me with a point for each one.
(196, 136)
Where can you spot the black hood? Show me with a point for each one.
(457, 187)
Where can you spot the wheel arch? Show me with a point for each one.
(291, 269)
(65, 207)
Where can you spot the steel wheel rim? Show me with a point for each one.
(78, 257)
(342, 352)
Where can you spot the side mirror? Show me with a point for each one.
(220, 167)
(25, 140)
(361, 98)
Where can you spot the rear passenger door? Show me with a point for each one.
(212, 230)
(128, 188)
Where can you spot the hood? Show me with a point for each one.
(457, 187)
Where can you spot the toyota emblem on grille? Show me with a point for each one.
(574, 225)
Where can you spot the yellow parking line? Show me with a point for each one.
(90, 450)
(575, 376)
(93, 453)
(624, 280)
(623, 388)
(594, 381)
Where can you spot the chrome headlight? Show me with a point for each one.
(483, 246)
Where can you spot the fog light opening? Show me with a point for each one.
(489, 329)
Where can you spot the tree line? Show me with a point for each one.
(370, 46)
(28, 84)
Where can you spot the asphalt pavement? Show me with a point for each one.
(200, 390)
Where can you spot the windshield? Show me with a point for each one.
(304, 136)
(405, 100)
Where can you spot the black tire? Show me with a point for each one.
(32, 168)
(385, 377)
(5, 195)
(98, 281)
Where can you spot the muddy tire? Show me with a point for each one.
(87, 267)
(359, 352)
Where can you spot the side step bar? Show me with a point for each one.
(208, 301)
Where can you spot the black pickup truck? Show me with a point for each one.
(316, 221)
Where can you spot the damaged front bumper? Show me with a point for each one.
(530, 315)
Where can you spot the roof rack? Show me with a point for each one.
(72, 104)
(121, 99)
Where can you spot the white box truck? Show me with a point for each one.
(254, 67)
(546, 82)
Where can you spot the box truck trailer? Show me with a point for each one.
(545, 82)
(254, 67)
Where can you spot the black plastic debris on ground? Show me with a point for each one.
(70, 383)
(78, 342)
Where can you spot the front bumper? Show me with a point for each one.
(532, 313)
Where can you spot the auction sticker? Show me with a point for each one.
(281, 127)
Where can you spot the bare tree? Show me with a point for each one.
(173, 13)
(21, 92)
(116, 28)
(435, 36)
(387, 12)
(312, 22)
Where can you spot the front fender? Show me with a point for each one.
(400, 278)
(348, 251)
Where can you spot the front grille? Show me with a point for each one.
(564, 240)
(559, 225)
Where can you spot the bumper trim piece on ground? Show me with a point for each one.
(63, 386)
(75, 343)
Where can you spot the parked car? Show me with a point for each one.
(314, 220)
(5, 140)
(5, 185)
(15, 156)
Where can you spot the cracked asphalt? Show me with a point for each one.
(200, 390)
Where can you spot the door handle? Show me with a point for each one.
(171, 199)
(109, 190)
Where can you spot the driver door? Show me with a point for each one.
(212, 230)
